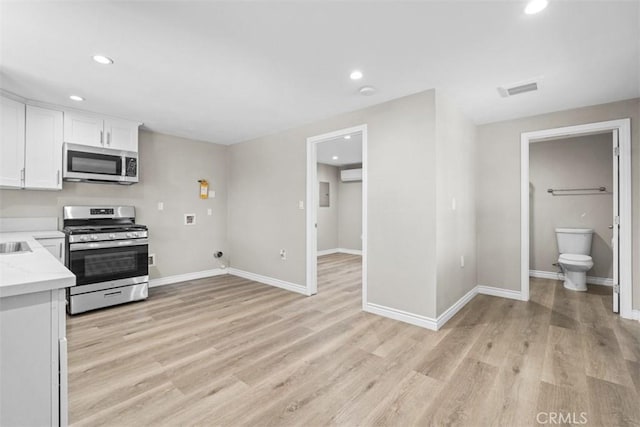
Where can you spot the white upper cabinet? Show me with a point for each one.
(12, 115)
(85, 130)
(43, 153)
(100, 132)
(121, 134)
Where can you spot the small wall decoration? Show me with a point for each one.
(189, 219)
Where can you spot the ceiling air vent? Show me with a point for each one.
(518, 88)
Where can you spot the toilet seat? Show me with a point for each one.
(576, 259)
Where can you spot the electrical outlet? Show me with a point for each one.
(300, 204)
(209, 211)
(283, 254)
(160, 206)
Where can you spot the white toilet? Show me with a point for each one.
(574, 245)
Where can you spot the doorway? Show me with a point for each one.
(336, 165)
(619, 132)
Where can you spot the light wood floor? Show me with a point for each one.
(228, 351)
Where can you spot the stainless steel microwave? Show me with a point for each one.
(82, 163)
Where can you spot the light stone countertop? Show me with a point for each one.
(34, 271)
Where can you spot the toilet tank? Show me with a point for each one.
(574, 240)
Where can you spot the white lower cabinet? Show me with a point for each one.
(33, 360)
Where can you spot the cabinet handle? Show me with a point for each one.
(109, 138)
(58, 177)
(22, 175)
(102, 137)
(60, 251)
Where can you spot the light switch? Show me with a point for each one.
(212, 194)
(453, 204)
(461, 261)
(160, 206)
(300, 204)
(209, 211)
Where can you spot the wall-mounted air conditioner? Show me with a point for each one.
(347, 175)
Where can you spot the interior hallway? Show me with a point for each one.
(229, 351)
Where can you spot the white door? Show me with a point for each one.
(11, 143)
(121, 134)
(85, 130)
(43, 152)
(615, 226)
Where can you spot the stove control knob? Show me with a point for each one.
(129, 234)
(94, 237)
(84, 238)
(134, 234)
(112, 236)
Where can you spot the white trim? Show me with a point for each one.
(168, 280)
(328, 252)
(635, 314)
(500, 292)
(403, 316)
(289, 286)
(339, 251)
(311, 287)
(591, 280)
(624, 196)
(455, 308)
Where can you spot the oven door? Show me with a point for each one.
(97, 262)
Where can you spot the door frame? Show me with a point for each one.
(312, 201)
(623, 126)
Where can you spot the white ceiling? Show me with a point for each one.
(348, 151)
(230, 71)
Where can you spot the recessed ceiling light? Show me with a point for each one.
(367, 90)
(101, 59)
(356, 75)
(347, 137)
(535, 6)
(335, 157)
(76, 98)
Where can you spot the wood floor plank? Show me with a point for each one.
(232, 352)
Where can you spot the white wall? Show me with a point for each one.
(328, 216)
(267, 179)
(350, 215)
(498, 187)
(580, 162)
(456, 226)
(169, 170)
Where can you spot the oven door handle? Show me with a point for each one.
(109, 244)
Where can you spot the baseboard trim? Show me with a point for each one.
(168, 280)
(499, 292)
(456, 307)
(339, 251)
(289, 286)
(401, 315)
(635, 314)
(591, 280)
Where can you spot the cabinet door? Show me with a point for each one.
(11, 143)
(85, 130)
(121, 134)
(43, 149)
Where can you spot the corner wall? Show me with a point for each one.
(455, 203)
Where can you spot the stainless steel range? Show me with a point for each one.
(109, 254)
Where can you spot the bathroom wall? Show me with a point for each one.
(498, 188)
(571, 163)
(328, 216)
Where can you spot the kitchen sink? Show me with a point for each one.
(14, 247)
